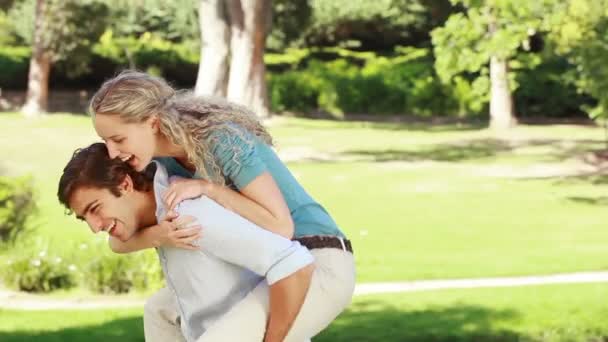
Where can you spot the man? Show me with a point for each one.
(234, 253)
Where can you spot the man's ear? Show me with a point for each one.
(126, 186)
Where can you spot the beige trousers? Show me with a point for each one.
(330, 292)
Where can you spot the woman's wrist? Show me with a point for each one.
(208, 189)
(155, 235)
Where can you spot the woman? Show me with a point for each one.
(223, 152)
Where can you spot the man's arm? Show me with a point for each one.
(286, 264)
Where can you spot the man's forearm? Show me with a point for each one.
(143, 239)
(286, 298)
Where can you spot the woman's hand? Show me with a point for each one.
(184, 188)
(179, 232)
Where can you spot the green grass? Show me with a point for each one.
(537, 313)
(418, 201)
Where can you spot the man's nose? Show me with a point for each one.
(95, 224)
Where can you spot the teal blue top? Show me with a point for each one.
(241, 162)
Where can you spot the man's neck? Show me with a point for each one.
(146, 208)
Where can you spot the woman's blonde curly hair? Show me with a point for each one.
(187, 120)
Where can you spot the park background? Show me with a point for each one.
(458, 139)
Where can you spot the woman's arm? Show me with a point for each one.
(166, 233)
(260, 201)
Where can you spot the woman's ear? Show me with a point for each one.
(154, 123)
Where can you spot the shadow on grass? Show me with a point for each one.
(370, 320)
(401, 122)
(559, 150)
(123, 329)
(443, 152)
(378, 321)
(599, 200)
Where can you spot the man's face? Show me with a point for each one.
(103, 211)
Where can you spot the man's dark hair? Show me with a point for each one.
(92, 167)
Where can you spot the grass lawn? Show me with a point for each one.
(418, 201)
(538, 313)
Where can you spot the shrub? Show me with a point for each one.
(107, 272)
(37, 270)
(16, 207)
(14, 62)
(359, 82)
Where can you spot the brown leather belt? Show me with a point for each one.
(325, 241)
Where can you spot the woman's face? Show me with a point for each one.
(134, 143)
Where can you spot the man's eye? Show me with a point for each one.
(118, 141)
(94, 209)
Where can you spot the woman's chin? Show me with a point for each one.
(138, 165)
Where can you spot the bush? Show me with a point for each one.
(360, 82)
(175, 61)
(549, 89)
(108, 272)
(14, 63)
(37, 270)
(16, 207)
(93, 266)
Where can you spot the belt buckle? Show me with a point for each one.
(342, 243)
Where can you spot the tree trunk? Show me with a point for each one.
(212, 76)
(36, 100)
(249, 23)
(501, 100)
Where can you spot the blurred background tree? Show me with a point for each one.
(56, 31)
(337, 58)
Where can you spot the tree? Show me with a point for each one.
(246, 23)
(58, 30)
(212, 76)
(580, 33)
(488, 32)
(36, 100)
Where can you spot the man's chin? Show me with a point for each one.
(126, 236)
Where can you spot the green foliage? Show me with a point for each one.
(175, 21)
(289, 20)
(151, 53)
(466, 42)
(16, 207)
(14, 62)
(6, 36)
(91, 265)
(359, 23)
(148, 49)
(38, 270)
(581, 35)
(360, 82)
(108, 272)
(547, 88)
(69, 29)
